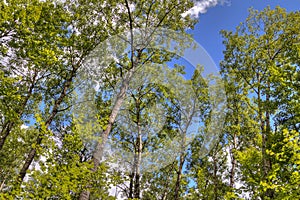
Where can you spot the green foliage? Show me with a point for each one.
(284, 176)
(261, 67)
(69, 175)
(43, 49)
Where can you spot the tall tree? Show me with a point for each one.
(148, 17)
(260, 51)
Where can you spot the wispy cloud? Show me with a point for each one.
(201, 6)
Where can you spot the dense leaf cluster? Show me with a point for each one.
(54, 124)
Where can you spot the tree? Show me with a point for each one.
(142, 16)
(42, 47)
(260, 51)
(77, 76)
(29, 60)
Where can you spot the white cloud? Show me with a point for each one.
(23, 126)
(201, 6)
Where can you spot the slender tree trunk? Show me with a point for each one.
(55, 110)
(5, 132)
(269, 192)
(262, 128)
(233, 149)
(182, 153)
(179, 175)
(131, 177)
(215, 178)
(233, 163)
(137, 189)
(164, 195)
(181, 163)
(263, 133)
(99, 151)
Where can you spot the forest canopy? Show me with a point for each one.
(66, 94)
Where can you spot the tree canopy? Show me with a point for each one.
(92, 105)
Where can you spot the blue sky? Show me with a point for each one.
(227, 17)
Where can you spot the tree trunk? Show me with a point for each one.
(215, 178)
(137, 189)
(263, 133)
(131, 177)
(5, 132)
(55, 110)
(179, 174)
(233, 163)
(99, 151)
(269, 192)
(181, 163)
